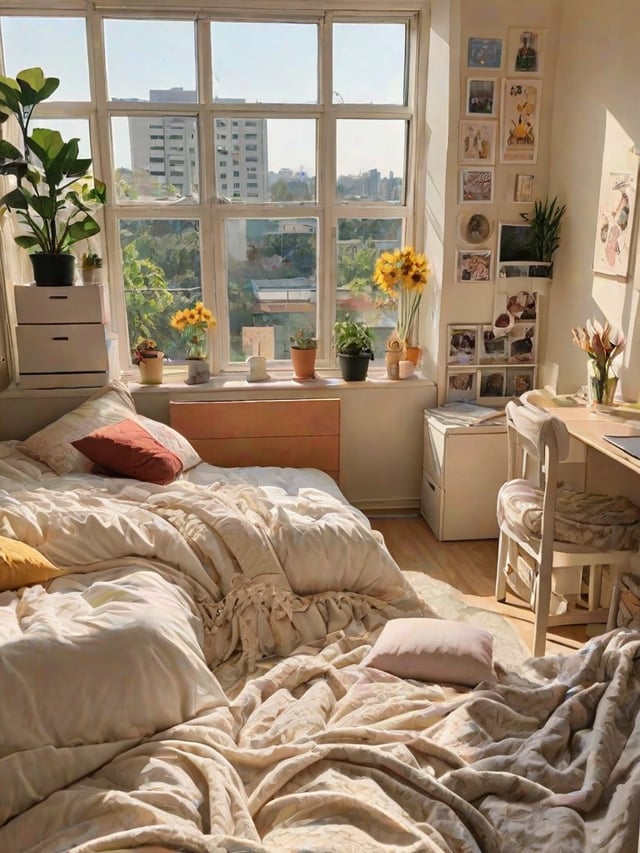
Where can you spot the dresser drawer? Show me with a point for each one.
(62, 349)
(74, 304)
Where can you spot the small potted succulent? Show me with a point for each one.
(91, 268)
(304, 346)
(149, 360)
(353, 341)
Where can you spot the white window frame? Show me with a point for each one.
(212, 214)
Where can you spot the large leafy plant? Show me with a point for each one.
(56, 193)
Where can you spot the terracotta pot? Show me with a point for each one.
(304, 363)
(151, 370)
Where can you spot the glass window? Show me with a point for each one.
(360, 242)
(359, 77)
(135, 179)
(370, 157)
(155, 79)
(265, 62)
(271, 283)
(36, 43)
(161, 275)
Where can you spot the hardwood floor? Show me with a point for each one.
(470, 567)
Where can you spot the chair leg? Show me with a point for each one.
(612, 617)
(541, 608)
(501, 568)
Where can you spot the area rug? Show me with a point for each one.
(508, 648)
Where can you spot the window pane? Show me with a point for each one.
(161, 273)
(270, 159)
(370, 159)
(260, 63)
(68, 128)
(165, 72)
(360, 76)
(57, 45)
(360, 242)
(156, 158)
(271, 283)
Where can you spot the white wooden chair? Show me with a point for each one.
(533, 528)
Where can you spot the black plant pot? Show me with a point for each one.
(53, 270)
(354, 368)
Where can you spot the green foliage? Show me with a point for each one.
(54, 199)
(545, 227)
(352, 337)
(304, 338)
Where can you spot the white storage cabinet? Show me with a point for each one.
(463, 468)
(61, 336)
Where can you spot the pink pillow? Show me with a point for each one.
(127, 449)
(435, 650)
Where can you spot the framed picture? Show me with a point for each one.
(484, 53)
(475, 228)
(463, 344)
(461, 385)
(520, 118)
(476, 185)
(481, 96)
(525, 51)
(473, 265)
(523, 189)
(514, 243)
(522, 343)
(493, 348)
(477, 141)
(519, 380)
(493, 382)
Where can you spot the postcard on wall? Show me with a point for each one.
(461, 385)
(481, 96)
(523, 189)
(615, 222)
(493, 382)
(476, 185)
(484, 53)
(525, 47)
(473, 265)
(522, 343)
(463, 343)
(493, 348)
(477, 141)
(519, 380)
(519, 126)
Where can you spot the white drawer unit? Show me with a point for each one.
(463, 468)
(61, 336)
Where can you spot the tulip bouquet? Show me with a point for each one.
(601, 344)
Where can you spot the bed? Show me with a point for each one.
(191, 665)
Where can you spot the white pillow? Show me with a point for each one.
(111, 404)
(435, 650)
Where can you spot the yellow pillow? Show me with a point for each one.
(21, 564)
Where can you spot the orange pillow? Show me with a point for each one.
(20, 565)
(127, 449)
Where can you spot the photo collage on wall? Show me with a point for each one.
(493, 361)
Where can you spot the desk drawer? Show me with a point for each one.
(62, 349)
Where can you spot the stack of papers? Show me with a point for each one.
(465, 414)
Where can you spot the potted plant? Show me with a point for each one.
(55, 193)
(91, 268)
(304, 346)
(353, 341)
(545, 232)
(149, 360)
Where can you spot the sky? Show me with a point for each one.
(256, 62)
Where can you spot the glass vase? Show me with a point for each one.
(603, 384)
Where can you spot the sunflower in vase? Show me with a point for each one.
(193, 324)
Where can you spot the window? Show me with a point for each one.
(277, 228)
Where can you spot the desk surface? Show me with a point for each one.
(589, 425)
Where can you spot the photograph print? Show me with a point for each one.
(481, 96)
(484, 53)
(520, 118)
(462, 344)
(461, 385)
(473, 265)
(477, 141)
(476, 185)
